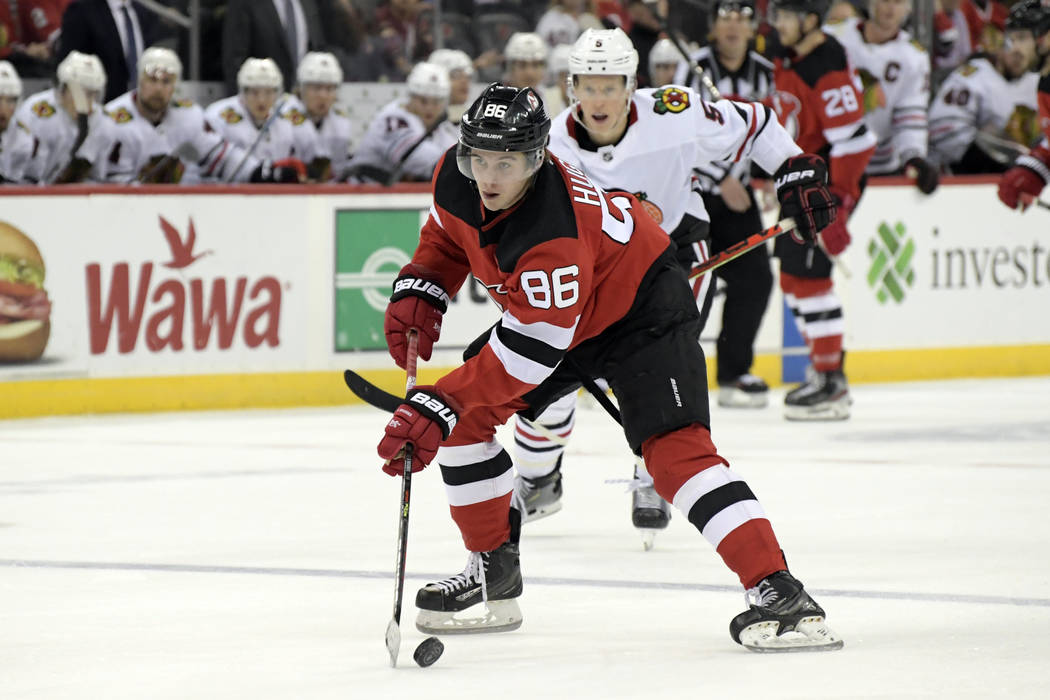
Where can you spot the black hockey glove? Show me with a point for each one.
(285, 171)
(802, 189)
(926, 174)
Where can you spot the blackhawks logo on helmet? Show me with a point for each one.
(670, 99)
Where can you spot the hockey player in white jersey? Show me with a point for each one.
(895, 72)
(664, 63)
(322, 129)
(10, 94)
(406, 138)
(644, 142)
(460, 72)
(525, 59)
(157, 139)
(986, 112)
(737, 72)
(245, 118)
(62, 131)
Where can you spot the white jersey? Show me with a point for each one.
(752, 82)
(977, 104)
(390, 142)
(137, 145)
(231, 119)
(896, 79)
(41, 139)
(670, 130)
(328, 139)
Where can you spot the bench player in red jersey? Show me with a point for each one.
(581, 277)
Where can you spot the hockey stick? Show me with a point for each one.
(393, 628)
(737, 249)
(258, 139)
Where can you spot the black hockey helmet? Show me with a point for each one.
(722, 8)
(809, 7)
(504, 118)
(1030, 14)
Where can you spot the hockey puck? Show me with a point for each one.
(428, 651)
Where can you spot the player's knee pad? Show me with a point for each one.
(675, 457)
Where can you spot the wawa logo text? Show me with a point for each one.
(219, 310)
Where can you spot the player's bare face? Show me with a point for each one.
(155, 92)
(502, 178)
(1018, 53)
(7, 110)
(523, 74)
(788, 24)
(662, 74)
(318, 99)
(460, 83)
(732, 31)
(889, 15)
(428, 109)
(603, 106)
(259, 101)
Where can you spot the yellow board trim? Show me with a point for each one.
(29, 398)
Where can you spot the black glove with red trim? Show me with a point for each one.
(425, 419)
(802, 189)
(284, 171)
(416, 304)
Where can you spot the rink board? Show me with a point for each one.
(239, 297)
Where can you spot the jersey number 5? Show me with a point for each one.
(560, 288)
(839, 101)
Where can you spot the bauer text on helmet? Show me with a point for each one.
(157, 60)
(319, 68)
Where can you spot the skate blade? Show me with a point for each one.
(810, 634)
(541, 512)
(500, 616)
(734, 398)
(836, 410)
(648, 537)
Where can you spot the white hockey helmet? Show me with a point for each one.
(319, 68)
(84, 70)
(452, 60)
(259, 73)
(159, 60)
(559, 62)
(10, 83)
(429, 80)
(525, 46)
(663, 53)
(604, 52)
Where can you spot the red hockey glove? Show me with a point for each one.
(416, 304)
(286, 171)
(424, 419)
(1021, 184)
(835, 236)
(926, 174)
(801, 183)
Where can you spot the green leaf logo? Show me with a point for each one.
(891, 254)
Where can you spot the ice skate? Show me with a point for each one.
(537, 498)
(487, 588)
(823, 396)
(650, 513)
(782, 617)
(746, 391)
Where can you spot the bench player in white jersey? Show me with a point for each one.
(322, 129)
(61, 131)
(460, 72)
(10, 95)
(664, 62)
(241, 119)
(895, 72)
(525, 60)
(407, 138)
(156, 139)
(738, 73)
(645, 142)
(986, 112)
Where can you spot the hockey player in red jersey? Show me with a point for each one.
(1022, 183)
(583, 280)
(818, 100)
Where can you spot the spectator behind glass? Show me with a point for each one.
(645, 31)
(396, 32)
(358, 52)
(116, 31)
(964, 27)
(28, 31)
(283, 30)
(564, 22)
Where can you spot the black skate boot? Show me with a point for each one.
(537, 498)
(649, 511)
(745, 391)
(491, 578)
(782, 617)
(824, 396)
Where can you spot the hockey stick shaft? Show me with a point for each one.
(393, 629)
(395, 174)
(737, 249)
(697, 69)
(258, 138)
